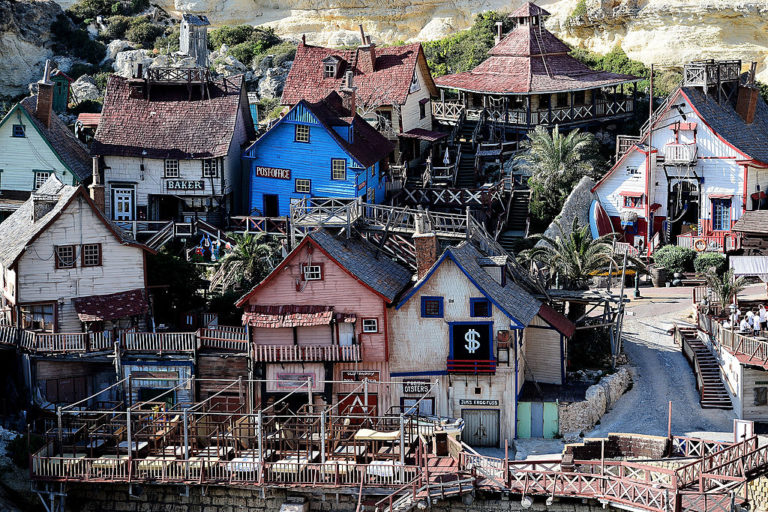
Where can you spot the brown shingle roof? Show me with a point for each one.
(755, 221)
(96, 308)
(389, 84)
(169, 125)
(525, 40)
(529, 9)
(64, 143)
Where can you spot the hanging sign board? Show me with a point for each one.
(415, 387)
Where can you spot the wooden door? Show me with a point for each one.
(346, 334)
(481, 427)
(123, 203)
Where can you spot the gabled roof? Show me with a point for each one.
(169, 124)
(388, 84)
(368, 146)
(70, 151)
(754, 221)
(19, 230)
(527, 10)
(358, 258)
(519, 305)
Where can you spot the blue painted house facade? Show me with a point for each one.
(316, 150)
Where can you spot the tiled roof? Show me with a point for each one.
(517, 66)
(529, 9)
(727, 124)
(70, 150)
(169, 125)
(389, 84)
(754, 221)
(363, 261)
(274, 317)
(19, 229)
(96, 308)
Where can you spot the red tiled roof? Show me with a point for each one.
(526, 40)
(89, 120)
(96, 308)
(557, 320)
(529, 9)
(274, 317)
(389, 84)
(169, 125)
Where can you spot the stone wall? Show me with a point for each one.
(577, 417)
(576, 205)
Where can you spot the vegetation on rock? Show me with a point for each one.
(246, 43)
(70, 39)
(87, 10)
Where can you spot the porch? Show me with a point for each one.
(721, 242)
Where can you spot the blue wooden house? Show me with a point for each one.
(316, 150)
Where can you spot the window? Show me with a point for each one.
(303, 186)
(425, 407)
(633, 201)
(479, 307)
(65, 256)
(91, 255)
(41, 177)
(721, 214)
(562, 99)
(18, 130)
(579, 98)
(312, 272)
(302, 133)
(432, 307)
(330, 70)
(210, 168)
(171, 168)
(38, 317)
(338, 169)
(761, 396)
(415, 82)
(370, 325)
(422, 110)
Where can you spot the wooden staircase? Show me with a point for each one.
(466, 131)
(713, 394)
(466, 175)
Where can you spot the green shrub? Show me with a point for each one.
(78, 70)
(580, 9)
(71, 39)
(168, 43)
(86, 10)
(89, 106)
(230, 36)
(674, 258)
(144, 33)
(116, 27)
(707, 260)
(247, 44)
(101, 79)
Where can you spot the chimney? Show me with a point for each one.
(369, 47)
(44, 108)
(347, 91)
(498, 32)
(303, 39)
(746, 102)
(42, 204)
(425, 245)
(96, 188)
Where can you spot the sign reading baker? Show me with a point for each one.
(185, 184)
(471, 341)
(272, 172)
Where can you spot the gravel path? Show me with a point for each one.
(661, 374)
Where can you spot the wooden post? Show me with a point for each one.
(186, 445)
(669, 421)
(322, 438)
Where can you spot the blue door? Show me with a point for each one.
(721, 214)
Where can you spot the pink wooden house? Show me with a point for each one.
(322, 315)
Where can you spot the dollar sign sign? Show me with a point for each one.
(471, 337)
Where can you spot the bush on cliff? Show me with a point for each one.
(74, 40)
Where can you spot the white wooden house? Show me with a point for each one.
(481, 336)
(35, 144)
(66, 268)
(702, 163)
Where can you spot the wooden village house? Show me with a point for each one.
(35, 144)
(168, 146)
(702, 163)
(529, 79)
(394, 89)
(320, 149)
(466, 324)
(322, 314)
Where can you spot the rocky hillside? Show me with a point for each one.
(660, 31)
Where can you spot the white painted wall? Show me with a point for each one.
(410, 110)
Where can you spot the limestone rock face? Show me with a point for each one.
(85, 88)
(271, 85)
(25, 40)
(126, 62)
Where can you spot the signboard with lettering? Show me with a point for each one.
(486, 403)
(185, 184)
(272, 172)
(359, 375)
(291, 381)
(418, 387)
(471, 342)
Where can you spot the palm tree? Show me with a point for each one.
(252, 258)
(726, 287)
(556, 162)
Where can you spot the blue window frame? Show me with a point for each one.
(721, 214)
(432, 307)
(18, 130)
(480, 307)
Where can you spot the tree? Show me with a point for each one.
(726, 287)
(175, 283)
(252, 258)
(556, 163)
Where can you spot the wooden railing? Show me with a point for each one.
(9, 335)
(160, 341)
(224, 337)
(302, 353)
(680, 153)
(728, 241)
(749, 348)
(260, 224)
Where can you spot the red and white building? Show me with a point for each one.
(698, 165)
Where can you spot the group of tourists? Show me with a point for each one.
(750, 323)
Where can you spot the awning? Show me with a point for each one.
(275, 317)
(422, 134)
(629, 193)
(96, 308)
(720, 196)
(750, 266)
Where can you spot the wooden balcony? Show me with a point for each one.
(708, 73)
(306, 353)
(684, 154)
(160, 342)
(724, 242)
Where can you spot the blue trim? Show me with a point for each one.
(440, 301)
(447, 254)
(475, 300)
(413, 374)
(517, 391)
